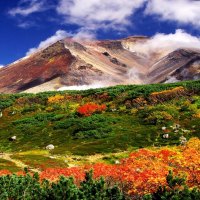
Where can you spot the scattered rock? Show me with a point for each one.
(115, 61)
(183, 140)
(177, 126)
(106, 54)
(166, 136)
(13, 138)
(13, 113)
(185, 131)
(117, 162)
(50, 147)
(138, 170)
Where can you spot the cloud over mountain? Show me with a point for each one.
(168, 42)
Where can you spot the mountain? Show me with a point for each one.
(70, 62)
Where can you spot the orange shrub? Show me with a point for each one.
(144, 170)
(90, 108)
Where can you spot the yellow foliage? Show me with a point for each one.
(171, 91)
(168, 94)
(194, 143)
(56, 99)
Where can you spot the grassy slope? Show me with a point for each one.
(37, 122)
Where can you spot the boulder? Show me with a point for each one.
(13, 138)
(50, 147)
(166, 136)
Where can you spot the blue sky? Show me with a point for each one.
(28, 25)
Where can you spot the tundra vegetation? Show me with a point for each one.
(143, 140)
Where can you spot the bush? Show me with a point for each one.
(159, 114)
(95, 126)
(158, 117)
(90, 108)
(29, 187)
(176, 189)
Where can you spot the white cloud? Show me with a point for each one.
(181, 11)
(167, 42)
(98, 14)
(27, 7)
(83, 34)
(1, 66)
(26, 24)
(59, 35)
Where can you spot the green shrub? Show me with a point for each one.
(159, 114)
(158, 117)
(95, 126)
(29, 188)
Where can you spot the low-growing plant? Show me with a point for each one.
(90, 108)
(95, 126)
(29, 187)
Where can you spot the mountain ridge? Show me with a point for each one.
(70, 62)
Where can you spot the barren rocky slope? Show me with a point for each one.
(100, 63)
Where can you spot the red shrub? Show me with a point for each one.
(90, 108)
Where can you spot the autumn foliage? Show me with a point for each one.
(90, 108)
(144, 170)
(164, 95)
(56, 99)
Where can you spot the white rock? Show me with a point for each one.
(117, 162)
(183, 140)
(166, 136)
(14, 137)
(177, 126)
(50, 147)
(164, 128)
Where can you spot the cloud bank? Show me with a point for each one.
(181, 11)
(115, 14)
(167, 42)
(93, 15)
(96, 14)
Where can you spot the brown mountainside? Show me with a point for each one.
(105, 63)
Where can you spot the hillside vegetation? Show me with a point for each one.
(131, 135)
(102, 120)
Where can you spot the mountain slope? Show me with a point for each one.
(100, 63)
(182, 64)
